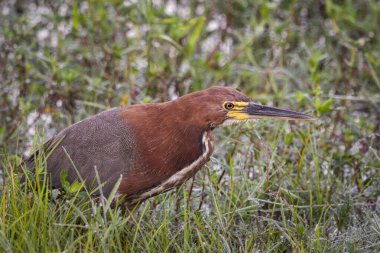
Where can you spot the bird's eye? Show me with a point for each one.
(229, 106)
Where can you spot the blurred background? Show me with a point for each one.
(62, 61)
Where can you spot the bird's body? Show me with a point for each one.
(153, 147)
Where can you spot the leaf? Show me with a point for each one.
(288, 138)
(67, 187)
(299, 96)
(75, 187)
(63, 179)
(193, 37)
(74, 18)
(171, 41)
(317, 103)
(323, 107)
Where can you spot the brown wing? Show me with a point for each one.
(102, 142)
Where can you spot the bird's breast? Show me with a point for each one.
(181, 175)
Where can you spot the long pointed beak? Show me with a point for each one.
(261, 111)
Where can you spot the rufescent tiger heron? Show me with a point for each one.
(151, 148)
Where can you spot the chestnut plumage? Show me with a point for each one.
(152, 147)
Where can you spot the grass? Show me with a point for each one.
(270, 186)
(265, 204)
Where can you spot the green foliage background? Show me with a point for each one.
(273, 186)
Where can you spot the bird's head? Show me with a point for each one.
(218, 106)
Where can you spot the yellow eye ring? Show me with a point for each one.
(229, 106)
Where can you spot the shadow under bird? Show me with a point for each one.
(149, 148)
